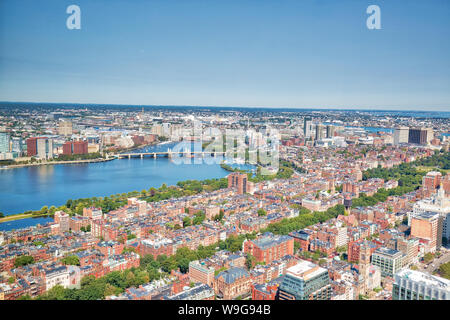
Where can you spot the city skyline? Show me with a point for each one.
(314, 54)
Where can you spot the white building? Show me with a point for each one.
(416, 285)
(44, 148)
(57, 276)
(401, 135)
(437, 204)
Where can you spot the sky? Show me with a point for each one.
(256, 53)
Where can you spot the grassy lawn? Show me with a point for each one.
(15, 217)
(427, 169)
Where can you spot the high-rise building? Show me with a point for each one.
(45, 148)
(239, 181)
(75, 147)
(40, 147)
(439, 203)
(388, 260)
(430, 134)
(431, 181)
(446, 185)
(401, 135)
(319, 132)
(307, 127)
(199, 272)
(63, 219)
(31, 146)
(4, 142)
(157, 129)
(17, 145)
(427, 226)
(306, 281)
(418, 136)
(65, 128)
(416, 285)
(330, 131)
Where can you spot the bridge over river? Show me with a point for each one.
(170, 154)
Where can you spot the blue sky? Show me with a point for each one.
(278, 53)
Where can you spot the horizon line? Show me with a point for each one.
(237, 106)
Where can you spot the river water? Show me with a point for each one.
(31, 188)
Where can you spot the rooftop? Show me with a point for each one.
(305, 270)
(425, 278)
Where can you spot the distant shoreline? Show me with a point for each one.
(20, 216)
(411, 109)
(13, 166)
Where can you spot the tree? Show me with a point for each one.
(56, 293)
(130, 236)
(161, 258)
(23, 261)
(249, 261)
(71, 260)
(2, 214)
(146, 260)
(261, 212)
(198, 218)
(186, 222)
(111, 290)
(44, 210)
(183, 264)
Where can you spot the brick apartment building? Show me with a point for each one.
(199, 272)
(232, 283)
(75, 147)
(269, 247)
(239, 181)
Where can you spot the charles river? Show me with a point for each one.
(31, 188)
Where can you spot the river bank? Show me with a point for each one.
(12, 166)
(46, 163)
(20, 216)
(33, 187)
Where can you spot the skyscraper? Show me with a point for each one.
(319, 132)
(17, 145)
(401, 135)
(418, 136)
(305, 281)
(4, 142)
(330, 131)
(41, 147)
(65, 128)
(428, 227)
(239, 181)
(439, 203)
(307, 127)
